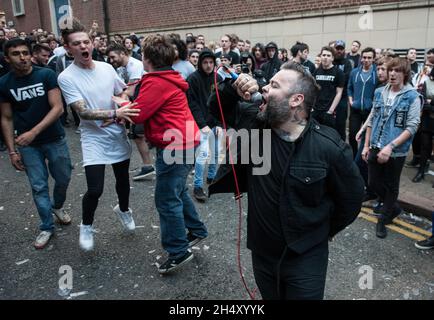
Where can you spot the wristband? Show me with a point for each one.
(12, 153)
(114, 116)
(393, 145)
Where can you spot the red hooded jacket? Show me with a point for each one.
(164, 111)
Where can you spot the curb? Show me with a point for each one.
(416, 204)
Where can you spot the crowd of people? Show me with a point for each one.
(139, 88)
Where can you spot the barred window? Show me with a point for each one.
(18, 7)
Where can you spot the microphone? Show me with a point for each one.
(255, 97)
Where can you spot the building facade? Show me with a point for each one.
(377, 23)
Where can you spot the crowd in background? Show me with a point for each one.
(348, 76)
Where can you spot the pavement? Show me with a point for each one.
(124, 266)
(417, 198)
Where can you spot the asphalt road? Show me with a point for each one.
(123, 266)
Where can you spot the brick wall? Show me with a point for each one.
(126, 15)
(138, 14)
(89, 11)
(44, 8)
(129, 15)
(31, 19)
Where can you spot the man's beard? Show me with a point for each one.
(276, 113)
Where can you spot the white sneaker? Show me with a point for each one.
(42, 239)
(86, 237)
(62, 216)
(126, 218)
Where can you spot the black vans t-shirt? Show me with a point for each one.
(329, 80)
(28, 96)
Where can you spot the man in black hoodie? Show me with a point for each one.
(201, 83)
(272, 66)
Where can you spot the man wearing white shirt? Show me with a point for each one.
(88, 87)
(131, 71)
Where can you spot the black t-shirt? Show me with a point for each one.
(309, 66)
(235, 57)
(414, 67)
(355, 59)
(329, 80)
(263, 203)
(28, 96)
(346, 67)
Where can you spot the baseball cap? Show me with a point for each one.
(226, 56)
(271, 45)
(339, 43)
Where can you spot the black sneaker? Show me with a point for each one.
(193, 240)
(199, 194)
(173, 264)
(427, 166)
(418, 177)
(378, 209)
(381, 231)
(209, 180)
(146, 171)
(426, 244)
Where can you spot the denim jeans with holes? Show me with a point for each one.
(208, 144)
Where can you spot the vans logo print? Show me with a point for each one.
(29, 92)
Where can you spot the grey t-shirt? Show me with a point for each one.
(132, 71)
(185, 68)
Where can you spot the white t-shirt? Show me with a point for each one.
(59, 51)
(96, 87)
(389, 103)
(185, 68)
(132, 71)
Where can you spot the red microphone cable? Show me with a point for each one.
(238, 195)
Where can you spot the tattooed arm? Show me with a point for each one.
(103, 114)
(88, 114)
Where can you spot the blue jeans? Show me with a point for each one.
(59, 166)
(202, 156)
(175, 206)
(432, 224)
